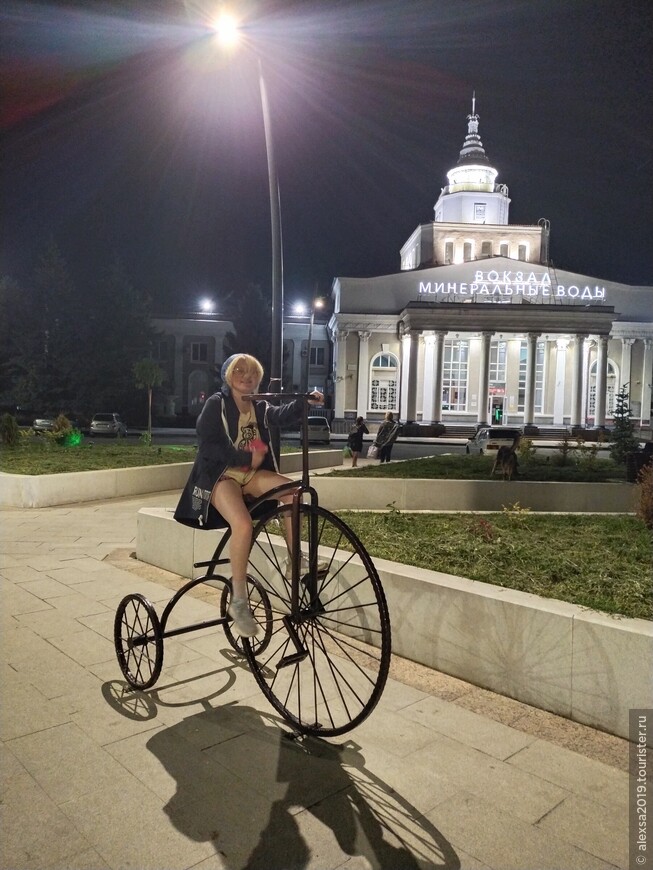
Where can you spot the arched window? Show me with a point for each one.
(486, 249)
(467, 251)
(610, 389)
(522, 253)
(384, 393)
(504, 250)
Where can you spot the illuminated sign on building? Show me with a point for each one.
(497, 285)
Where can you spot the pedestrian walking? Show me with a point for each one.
(355, 439)
(386, 437)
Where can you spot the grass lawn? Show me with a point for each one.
(601, 562)
(597, 561)
(42, 455)
(461, 467)
(38, 454)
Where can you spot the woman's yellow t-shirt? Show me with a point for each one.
(247, 433)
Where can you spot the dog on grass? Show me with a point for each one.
(506, 463)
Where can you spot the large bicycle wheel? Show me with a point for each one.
(327, 661)
(138, 640)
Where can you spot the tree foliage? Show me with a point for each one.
(251, 317)
(66, 347)
(623, 438)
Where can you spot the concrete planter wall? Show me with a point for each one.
(586, 666)
(46, 490)
(477, 495)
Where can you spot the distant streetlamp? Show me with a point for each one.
(227, 30)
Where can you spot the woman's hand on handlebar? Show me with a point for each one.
(316, 398)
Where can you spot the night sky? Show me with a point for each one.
(126, 132)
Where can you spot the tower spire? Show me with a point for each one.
(472, 150)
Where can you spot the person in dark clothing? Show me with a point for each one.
(386, 436)
(235, 460)
(355, 440)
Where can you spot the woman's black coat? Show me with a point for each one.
(216, 452)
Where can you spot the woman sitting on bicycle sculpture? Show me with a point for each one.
(234, 460)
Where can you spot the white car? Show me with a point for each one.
(43, 424)
(490, 438)
(108, 424)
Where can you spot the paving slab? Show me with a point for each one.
(199, 771)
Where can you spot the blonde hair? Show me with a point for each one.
(250, 362)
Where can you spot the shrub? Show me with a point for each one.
(645, 510)
(623, 436)
(9, 430)
(525, 448)
(62, 425)
(565, 447)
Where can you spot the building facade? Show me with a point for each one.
(191, 349)
(478, 327)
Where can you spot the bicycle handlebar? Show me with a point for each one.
(306, 396)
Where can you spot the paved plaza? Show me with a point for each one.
(199, 771)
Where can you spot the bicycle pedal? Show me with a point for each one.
(292, 659)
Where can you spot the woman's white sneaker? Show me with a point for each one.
(245, 624)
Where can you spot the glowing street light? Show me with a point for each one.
(228, 32)
(300, 309)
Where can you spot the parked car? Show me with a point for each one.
(489, 438)
(43, 424)
(108, 424)
(47, 422)
(319, 431)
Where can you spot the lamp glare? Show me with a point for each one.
(226, 29)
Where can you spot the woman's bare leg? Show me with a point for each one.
(227, 499)
(262, 482)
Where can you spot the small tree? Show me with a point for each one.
(148, 375)
(9, 431)
(623, 437)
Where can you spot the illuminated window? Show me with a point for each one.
(455, 371)
(384, 393)
(522, 252)
(486, 249)
(448, 252)
(539, 377)
(467, 251)
(498, 352)
(199, 351)
(504, 250)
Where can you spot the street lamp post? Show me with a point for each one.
(276, 353)
(227, 29)
(300, 309)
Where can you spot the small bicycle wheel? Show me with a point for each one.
(261, 608)
(327, 661)
(138, 640)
